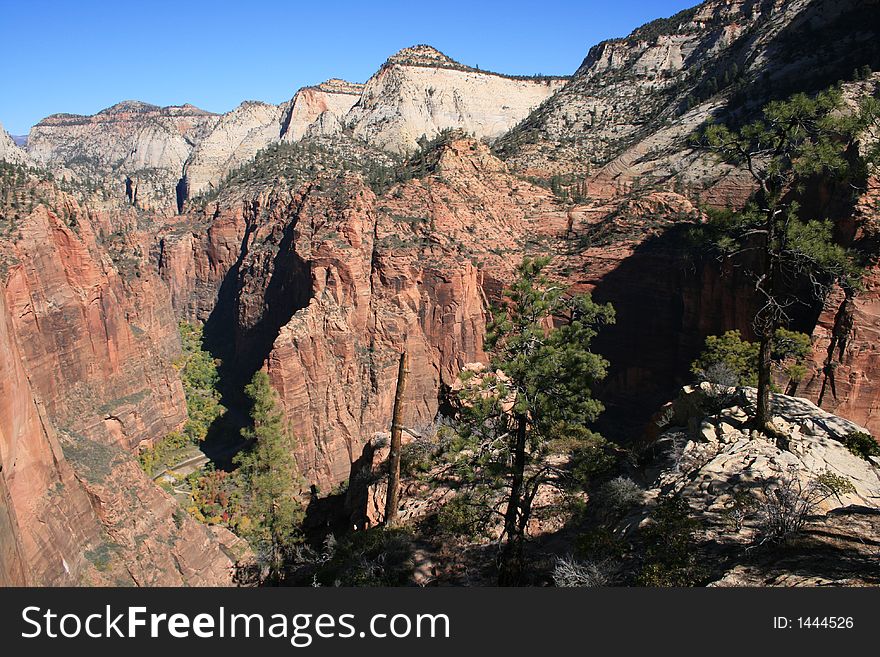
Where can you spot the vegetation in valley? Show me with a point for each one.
(200, 380)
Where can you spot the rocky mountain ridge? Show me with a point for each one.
(157, 158)
(10, 151)
(326, 250)
(420, 91)
(630, 106)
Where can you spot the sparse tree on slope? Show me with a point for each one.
(535, 399)
(800, 141)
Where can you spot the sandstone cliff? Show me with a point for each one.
(419, 91)
(319, 110)
(86, 343)
(10, 151)
(235, 139)
(326, 284)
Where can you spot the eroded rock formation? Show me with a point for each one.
(419, 92)
(85, 357)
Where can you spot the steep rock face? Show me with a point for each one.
(194, 260)
(419, 91)
(134, 150)
(844, 373)
(235, 139)
(319, 110)
(106, 326)
(645, 93)
(10, 151)
(85, 376)
(844, 376)
(46, 519)
(332, 282)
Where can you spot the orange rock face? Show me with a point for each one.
(845, 373)
(97, 337)
(86, 341)
(333, 282)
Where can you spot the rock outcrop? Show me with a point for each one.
(725, 470)
(319, 110)
(10, 151)
(420, 92)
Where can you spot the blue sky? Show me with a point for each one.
(82, 56)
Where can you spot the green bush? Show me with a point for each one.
(200, 378)
(462, 517)
(729, 360)
(416, 457)
(670, 546)
(161, 454)
(862, 444)
(601, 544)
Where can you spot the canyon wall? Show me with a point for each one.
(331, 282)
(86, 376)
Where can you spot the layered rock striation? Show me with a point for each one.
(420, 92)
(86, 343)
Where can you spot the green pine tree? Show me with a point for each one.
(535, 399)
(269, 475)
(800, 140)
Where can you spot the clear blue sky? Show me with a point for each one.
(81, 56)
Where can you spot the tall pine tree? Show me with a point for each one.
(270, 480)
(798, 142)
(535, 400)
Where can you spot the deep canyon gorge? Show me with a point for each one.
(317, 239)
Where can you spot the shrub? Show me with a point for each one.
(670, 546)
(786, 503)
(416, 457)
(569, 572)
(730, 357)
(740, 507)
(463, 516)
(375, 557)
(620, 495)
(862, 444)
(591, 456)
(601, 544)
(152, 459)
(730, 361)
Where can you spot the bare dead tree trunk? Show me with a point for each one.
(769, 324)
(393, 497)
(843, 326)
